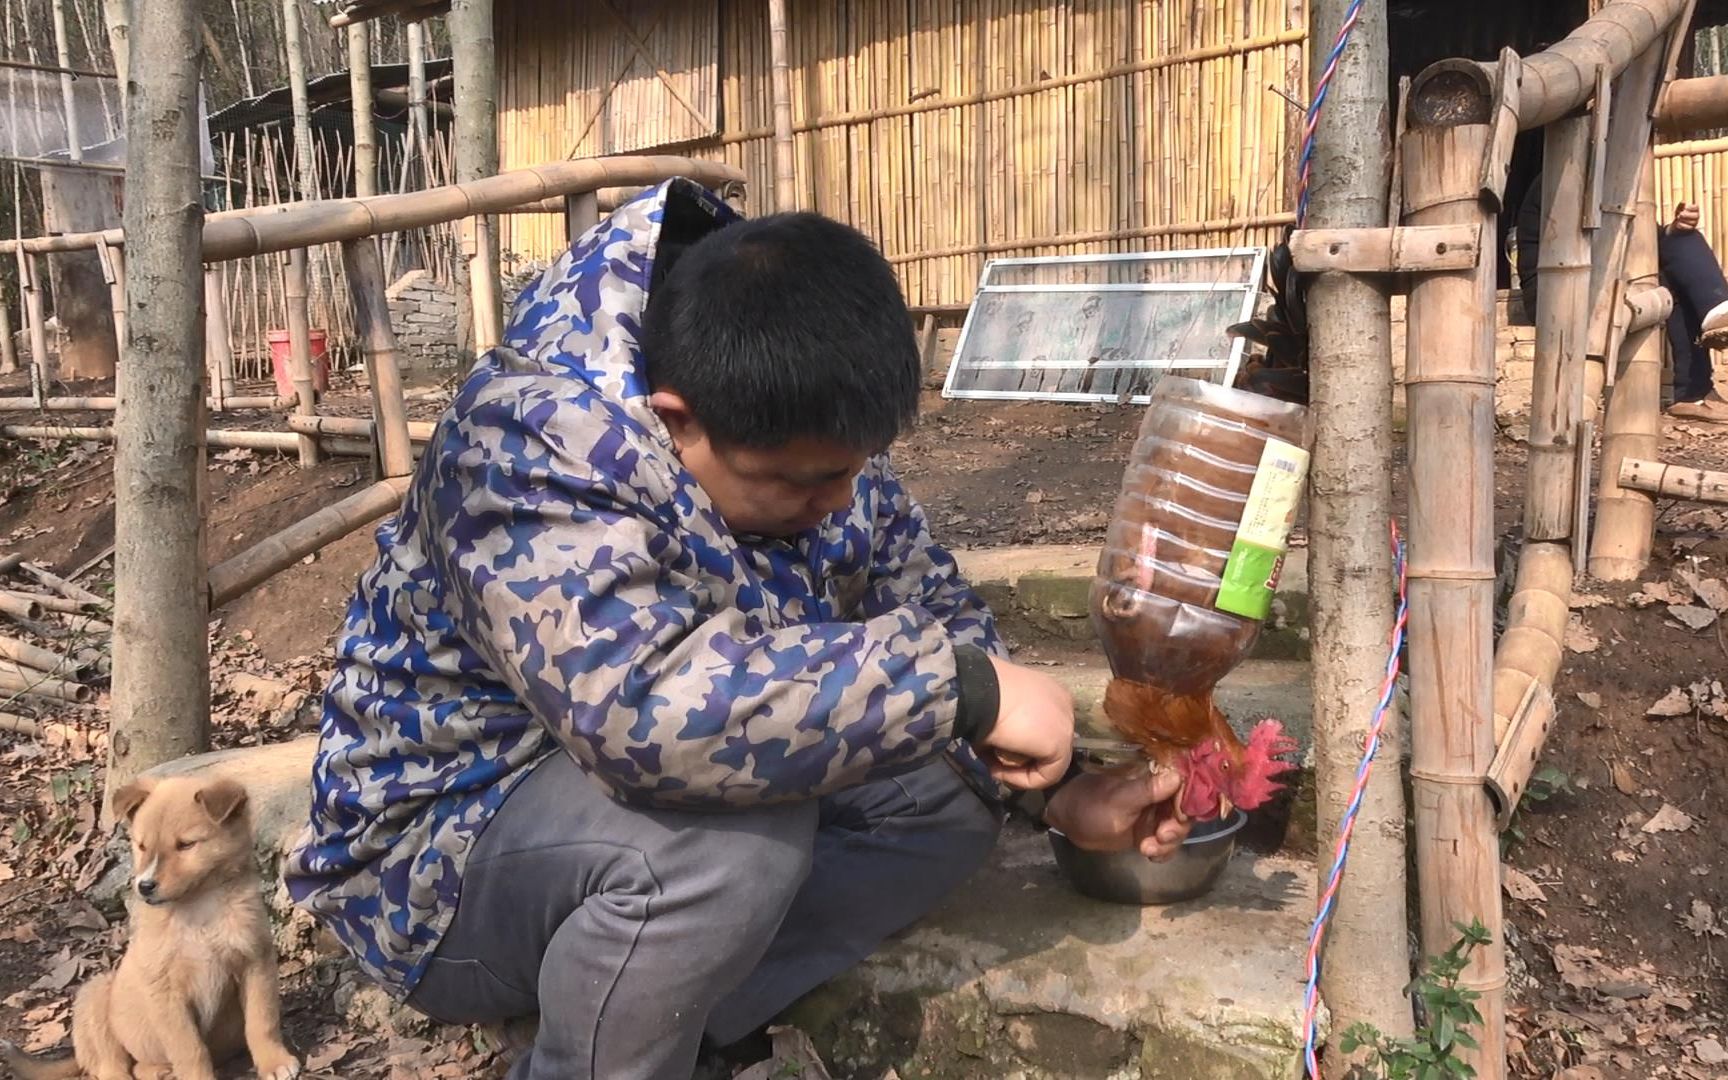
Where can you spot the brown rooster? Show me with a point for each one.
(1192, 735)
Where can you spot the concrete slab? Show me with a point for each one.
(1018, 976)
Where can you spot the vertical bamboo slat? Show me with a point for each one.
(365, 273)
(1450, 381)
(300, 350)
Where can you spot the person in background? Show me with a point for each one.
(1692, 273)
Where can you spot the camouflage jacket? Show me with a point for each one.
(555, 579)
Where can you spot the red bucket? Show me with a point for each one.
(281, 353)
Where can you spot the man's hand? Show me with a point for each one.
(1107, 813)
(1034, 734)
(1685, 218)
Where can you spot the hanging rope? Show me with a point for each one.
(1320, 90)
(1347, 825)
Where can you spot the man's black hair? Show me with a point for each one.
(782, 327)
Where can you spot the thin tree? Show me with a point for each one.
(1350, 568)
(161, 705)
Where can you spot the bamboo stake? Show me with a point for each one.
(269, 557)
(1674, 481)
(1632, 428)
(785, 178)
(372, 318)
(300, 348)
(365, 131)
(1450, 380)
(1562, 323)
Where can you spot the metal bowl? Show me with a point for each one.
(1128, 877)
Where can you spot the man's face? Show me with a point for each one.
(777, 492)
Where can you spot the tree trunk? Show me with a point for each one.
(785, 175)
(76, 201)
(161, 700)
(365, 132)
(476, 152)
(1351, 568)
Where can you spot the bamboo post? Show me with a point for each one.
(117, 16)
(305, 172)
(1627, 158)
(581, 213)
(1674, 481)
(1562, 324)
(785, 178)
(365, 272)
(415, 149)
(41, 369)
(300, 349)
(1450, 375)
(161, 699)
(1632, 426)
(365, 131)
(113, 260)
(8, 343)
(1350, 504)
(483, 286)
(68, 96)
(218, 351)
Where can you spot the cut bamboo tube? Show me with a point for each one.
(1694, 105)
(37, 657)
(218, 342)
(1632, 426)
(1533, 645)
(300, 348)
(61, 585)
(50, 603)
(1520, 750)
(10, 562)
(20, 725)
(20, 605)
(1450, 381)
(22, 680)
(365, 273)
(1674, 481)
(1562, 77)
(1562, 319)
(269, 557)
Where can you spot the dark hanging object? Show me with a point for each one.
(1279, 366)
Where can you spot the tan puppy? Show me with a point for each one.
(198, 981)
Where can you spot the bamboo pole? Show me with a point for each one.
(113, 261)
(1627, 158)
(300, 348)
(1533, 646)
(20, 725)
(41, 370)
(20, 605)
(161, 698)
(305, 173)
(1562, 322)
(785, 179)
(222, 439)
(475, 94)
(37, 657)
(418, 116)
(365, 131)
(1450, 380)
(1350, 501)
(68, 96)
(262, 230)
(1691, 105)
(22, 680)
(1562, 78)
(366, 286)
(117, 16)
(8, 344)
(51, 603)
(1674, 481)
(1632, 428)
(263, 560)
(354, 427)
(60, 585)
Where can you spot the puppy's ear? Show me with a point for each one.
(221, 799)
(129, 798)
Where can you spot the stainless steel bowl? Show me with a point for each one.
(1128, 877)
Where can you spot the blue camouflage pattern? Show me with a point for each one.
(556, 579)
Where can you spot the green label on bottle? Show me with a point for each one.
(1257, 557)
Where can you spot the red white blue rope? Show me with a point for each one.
(1320, 90)
(1347, 825)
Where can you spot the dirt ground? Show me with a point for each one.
(1618, 906)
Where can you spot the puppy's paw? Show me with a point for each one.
(279, 1066)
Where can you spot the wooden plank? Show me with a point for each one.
(1503, 133)
(1408, 248)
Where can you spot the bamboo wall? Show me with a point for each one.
(1696, 171)
(955, 130)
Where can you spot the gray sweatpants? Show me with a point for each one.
(632, 932)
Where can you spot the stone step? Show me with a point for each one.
(1043, 592)
(1019, 976)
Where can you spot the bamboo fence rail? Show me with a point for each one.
(948, 130)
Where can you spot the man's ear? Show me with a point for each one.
(221, 799)
(679, 418)
(128, 799)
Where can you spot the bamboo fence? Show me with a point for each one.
(950, 131)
